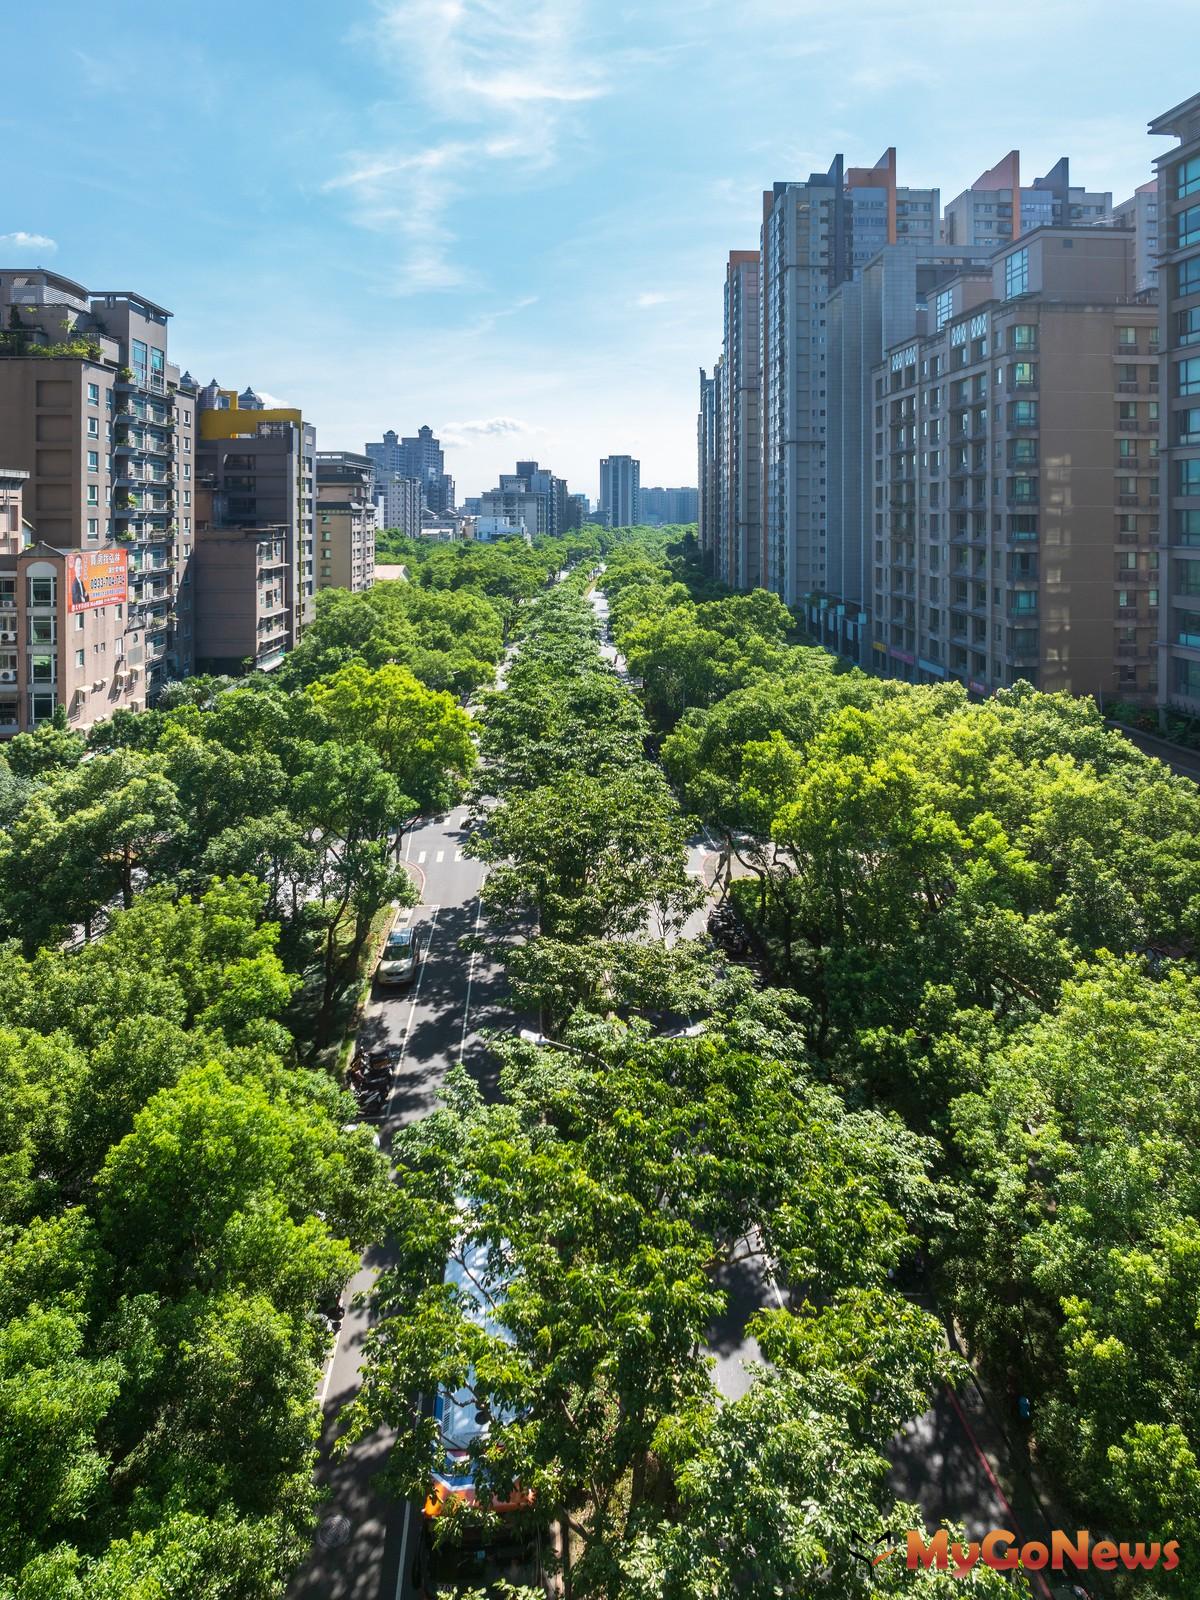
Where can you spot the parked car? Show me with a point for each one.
(398, 963)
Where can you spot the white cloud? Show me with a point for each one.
(500, 78)
(26, 242)
(486, 428)
(652, 297)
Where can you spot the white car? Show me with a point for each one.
(398, 963)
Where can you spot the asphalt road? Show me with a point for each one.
(365, 1541)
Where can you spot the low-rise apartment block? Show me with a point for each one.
(257, 467)
(104, 424)
(345, 521)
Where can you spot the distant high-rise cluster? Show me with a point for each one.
(410, 480)
(938, 434)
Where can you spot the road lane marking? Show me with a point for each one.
(458, 855)
(421, 858)
(441, 855)
(471, 972)
(412, 1009)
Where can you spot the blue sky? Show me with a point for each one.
(509, 218)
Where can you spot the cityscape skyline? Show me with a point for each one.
(332, 192)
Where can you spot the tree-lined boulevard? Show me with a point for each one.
(874, 1207)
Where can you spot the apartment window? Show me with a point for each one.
(1187, 277)
(1187, 325)
(79, 622)
(1023, 414)
(1024, 336)
(187, 497)
(41, 630)
(1024, 450)
(93, 427)
(187, 469)
(1016, 273)
(1126, 447)
(93, 461)
(1186, 629)
(1127, 412)
(1024, 375)
(93, 527)
(1022, 489)
(43, 707)
(1187, 679)
(1127, 338)
(1187, 527)
(1128, 561)
(79, 658)
(1187, 177)
(1189, 477)
(1022, 525)
(93, 394)
(1022, 602)
(93, 494)
(41, 591)
(1187, 426)
(944, 308)
(138, 360)
(1189, 376)
(41, 670)
(1188, 225)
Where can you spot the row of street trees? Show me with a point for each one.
(619, 1174)
(186, 897)
(991, 913)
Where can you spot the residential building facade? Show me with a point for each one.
(345, 530)
(1140, 212)
(1178, 176)
(997, 208)
(63, 623)
(258, 471)
(709, 508)
(245, 621)
(739, 547)
(104, 424)
(620, 491)
(1014, 490)
(668, 507)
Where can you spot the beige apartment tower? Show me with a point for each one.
(1015, 493)
(345, 532)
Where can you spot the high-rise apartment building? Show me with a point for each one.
(104, 424)
(345, 531)
(660, 508)
(815, 235)
(866, 315)
(1014, 486)
(1179, 333)
(258, 471)
(739, 543)
(997, 209)
(620, 491)
(419, 456)
(1140, 212)
(710, 508)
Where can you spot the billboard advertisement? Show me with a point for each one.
(97, 578)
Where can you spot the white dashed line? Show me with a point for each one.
(441, 856)
(421, 858)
